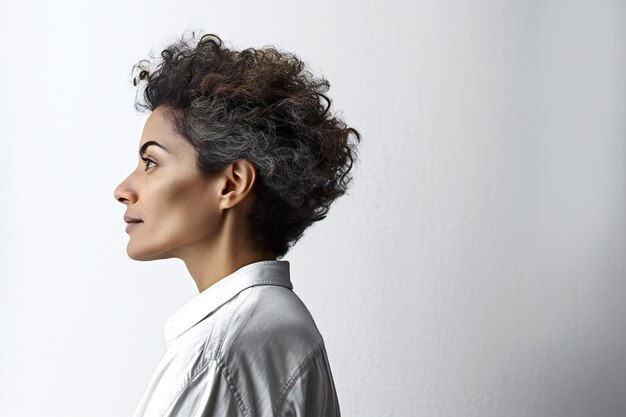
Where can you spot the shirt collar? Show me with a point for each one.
(269, 272)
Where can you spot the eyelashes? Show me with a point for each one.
(146, 162)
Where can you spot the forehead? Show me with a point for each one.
(158, 119)
(157, 124)
(159, 128)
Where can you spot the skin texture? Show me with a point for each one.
(184, 214)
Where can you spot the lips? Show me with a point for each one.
(129, 219)
(132, 225)
(132, 222)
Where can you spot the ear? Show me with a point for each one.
(238, 179)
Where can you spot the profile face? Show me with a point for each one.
(167, 193)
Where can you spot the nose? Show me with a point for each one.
(125, 193)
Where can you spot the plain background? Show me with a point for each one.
(476, 267)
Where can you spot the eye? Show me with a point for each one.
(147, 161)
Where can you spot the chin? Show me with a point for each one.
(146, 254)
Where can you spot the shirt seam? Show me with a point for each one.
(182, 389)
(218, 352)
(271, 281)
(233, 390)
(217, 357)
(304, 365)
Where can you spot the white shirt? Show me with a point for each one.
(245, 346)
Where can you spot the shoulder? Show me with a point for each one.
(267, 341)
(270, 318)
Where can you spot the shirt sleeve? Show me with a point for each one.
(313, 392)
(208, 394)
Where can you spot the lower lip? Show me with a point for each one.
(132, 225)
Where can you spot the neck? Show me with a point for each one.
(210, 261)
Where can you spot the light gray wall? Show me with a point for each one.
(476, 267)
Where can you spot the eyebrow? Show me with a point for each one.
(143, 148)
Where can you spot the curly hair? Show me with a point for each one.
(264, 106)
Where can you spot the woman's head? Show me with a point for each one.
(259, 111)
(178, 209)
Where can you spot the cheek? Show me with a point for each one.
(187, 211)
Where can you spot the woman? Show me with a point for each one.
(237, 158)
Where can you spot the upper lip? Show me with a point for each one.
(129, 219)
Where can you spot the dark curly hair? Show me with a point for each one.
(264, 106)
